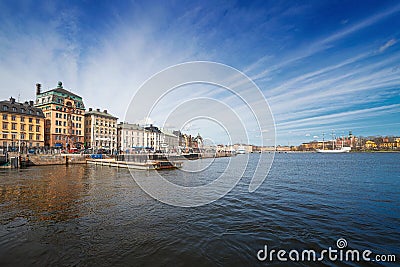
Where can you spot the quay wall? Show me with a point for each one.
(38, 160)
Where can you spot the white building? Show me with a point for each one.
(153, 137)
(169, 141)
(100, 130)
(133, 137)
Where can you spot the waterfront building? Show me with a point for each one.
(181, 138)
(22, 125)
(64, 117)
(131, 137)
(153, 137)
(169, 141)
(246, 147)
(370, 144)
(100, 130)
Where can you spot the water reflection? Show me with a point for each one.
(50, 193)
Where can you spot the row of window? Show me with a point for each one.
(60, 138)
(66, 116)
(76, 111)
(111, 124)
(22, 110)
(63, 131)
(22, 136)
(58, 100)
(22, 127)
(14, 144)
(64, 123)
(22, 118)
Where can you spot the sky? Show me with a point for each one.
(322, 66)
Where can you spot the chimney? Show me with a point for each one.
(105, 111)
(31, 103)
(98, 110)
(38, 86)
(12, 100)
(90, 109)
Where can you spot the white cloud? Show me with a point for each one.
(388, 44)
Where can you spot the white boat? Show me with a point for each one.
(343, 149)
(241, 150)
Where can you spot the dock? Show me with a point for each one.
(147, 165)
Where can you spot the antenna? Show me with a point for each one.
(18, 97)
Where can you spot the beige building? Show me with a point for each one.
(64, 117)
(100, 130)
(22, 125)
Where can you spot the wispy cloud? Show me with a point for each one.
(388, 44)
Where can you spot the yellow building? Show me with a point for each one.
(22, 125)
(64, 112)
(370, 144)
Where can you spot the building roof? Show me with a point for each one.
(60, 89)
(129, 126)
(99, 113)
(153, 129)
(63, 91)
(26, 108)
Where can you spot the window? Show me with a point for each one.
(5, 125)
(4, 116)
(30, 136)
(22, 110)
(22, 135)
(14, 109)
(63, 131)
(30, 120)
(38, 137)
(22, 127)
(5, 108)
(30, 128)
(37, 121)
(37, 128)
(5, 135)
(22, 118)
(30, 111)
(14, 126)
(13, 118)
(38, 113)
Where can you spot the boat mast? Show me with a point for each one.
(323, 141)
(333, 142)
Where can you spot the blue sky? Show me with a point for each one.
(322, 65)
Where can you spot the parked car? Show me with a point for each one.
(73, 151)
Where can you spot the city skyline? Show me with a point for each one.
(321, 66)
